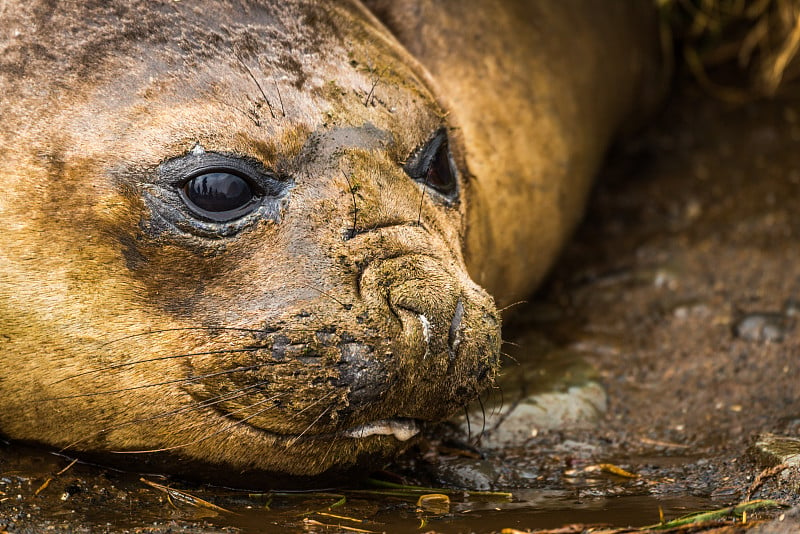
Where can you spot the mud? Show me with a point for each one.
(679, 296)
(682, 287)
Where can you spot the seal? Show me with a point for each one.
(263, 235)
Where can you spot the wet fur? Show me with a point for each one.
(129, 328)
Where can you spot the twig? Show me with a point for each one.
(763, 476)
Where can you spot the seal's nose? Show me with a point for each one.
(442, 339)
(422, 297)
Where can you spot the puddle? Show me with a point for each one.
(93, 498)
(533, 510)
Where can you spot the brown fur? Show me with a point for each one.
(123, 331)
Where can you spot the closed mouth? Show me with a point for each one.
(402, 429)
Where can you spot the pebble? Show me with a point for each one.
(762, 326)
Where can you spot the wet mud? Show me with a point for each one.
(664, 344)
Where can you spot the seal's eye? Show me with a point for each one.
(219, 196)
(433, 166)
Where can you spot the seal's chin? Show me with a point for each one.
(402, 429)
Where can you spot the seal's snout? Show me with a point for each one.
(447, 338)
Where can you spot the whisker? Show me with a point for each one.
(165, 383)
(260, 89)
(237, 423)
(253, 117)
(160, 358)
(371, 93)
(209, 328)
(323, 293)
(198, 440)
(183, 409)
(329, 449)
(182, 329)
(504, 308)
(499, 408)
(280, 98)
(502, 417)
(294, 416)
(483, 425)
(310, 425)
(352, 189)
(233, 413)
(324, 397)
(510, 357)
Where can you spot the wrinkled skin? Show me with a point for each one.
(343, 302)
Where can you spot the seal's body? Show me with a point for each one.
(240, 232)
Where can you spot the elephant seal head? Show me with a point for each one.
(233, 236)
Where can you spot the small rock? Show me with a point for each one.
(477, 475)
(791, 308)
(771, 450)
(763, 326)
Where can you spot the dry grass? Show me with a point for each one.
(759, 37)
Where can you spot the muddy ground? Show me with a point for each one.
(683, 289)
(680, 296)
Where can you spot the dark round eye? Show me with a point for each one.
(219, 196)
(433, 166)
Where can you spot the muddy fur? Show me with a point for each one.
(347, 297)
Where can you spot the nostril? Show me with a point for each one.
(454, 334)
(483, 372)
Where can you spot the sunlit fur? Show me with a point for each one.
(122, 332)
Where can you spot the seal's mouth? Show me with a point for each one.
(401, 428)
